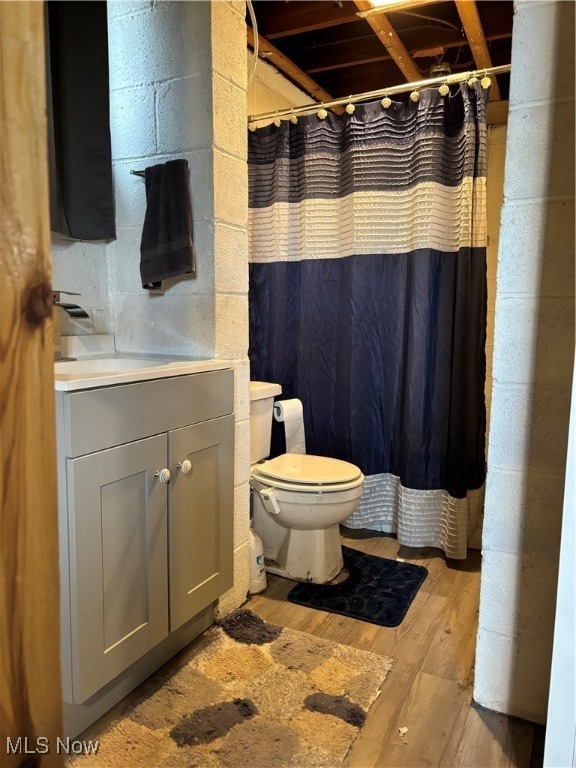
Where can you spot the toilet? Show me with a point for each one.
(298, 500)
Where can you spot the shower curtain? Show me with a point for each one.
(368, 301)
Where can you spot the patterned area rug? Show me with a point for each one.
(248, 694)
(377, 590)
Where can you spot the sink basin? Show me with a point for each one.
(97, 372)
(106, 365)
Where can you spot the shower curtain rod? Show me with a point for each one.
(443, 80)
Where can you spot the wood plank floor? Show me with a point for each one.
(429, 690)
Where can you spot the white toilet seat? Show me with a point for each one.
(305, 473)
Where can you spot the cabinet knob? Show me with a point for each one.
(163, 475)
(185, 466)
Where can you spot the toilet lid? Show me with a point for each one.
(311, 470)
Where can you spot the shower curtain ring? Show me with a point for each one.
(444, 89)
(293, 118)
(486, 82)
(277, 122)
(350, 108)
(415, 96)
(386, 101)
(322, 113)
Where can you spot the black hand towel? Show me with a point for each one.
(166, 249)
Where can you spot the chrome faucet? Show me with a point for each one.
(73, 310)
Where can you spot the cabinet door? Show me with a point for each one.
(118, 560)
(200, 516)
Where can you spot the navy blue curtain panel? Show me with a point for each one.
(368, 300)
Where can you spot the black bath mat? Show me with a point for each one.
(377, 590)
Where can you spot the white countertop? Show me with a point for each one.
(96, 372)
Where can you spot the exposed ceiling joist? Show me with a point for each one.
(391, 41)
(285, 65)
(476, 40)
(417, 54)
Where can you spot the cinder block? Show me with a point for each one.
(231, 326)
(230, 190)
(132, 122)
(242, 453)
(500, 592)
(241, 513)
(230, 109)
(184, 114)
(202, 181)
(229, 44)
(117, 8)
(81, 267)
(231, 259)
(536, 253)
(540, 152)
(179, 325)
(494, 670)
(170, 40)
(535, 341)
(239, 6)
(130, 192)
(536, 608)
(523, 513)
(236, 596)
(543, 32)
(532, 673)
(528, 428)
(512, 674)
(242, 389)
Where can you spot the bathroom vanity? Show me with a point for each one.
(145, 476)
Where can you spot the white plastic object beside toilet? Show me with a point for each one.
(298, 500)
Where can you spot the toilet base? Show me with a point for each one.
(312, 555)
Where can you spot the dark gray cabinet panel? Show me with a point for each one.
(118, 560)
(200, 516)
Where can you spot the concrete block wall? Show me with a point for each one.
(532, 369)
(228, 34)
(161, 108)
(82, 267)
(494, 196)
(270, 90)
(178, 89)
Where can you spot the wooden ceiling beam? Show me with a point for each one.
(415, 54)
(391, 41)
(476, 40)
(291, 70)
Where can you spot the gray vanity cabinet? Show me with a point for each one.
(141, 555)
(118, 560)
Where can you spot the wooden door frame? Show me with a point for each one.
(30, 687)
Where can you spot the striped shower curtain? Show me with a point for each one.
(368, 301)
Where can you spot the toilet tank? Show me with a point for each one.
(262, 395)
